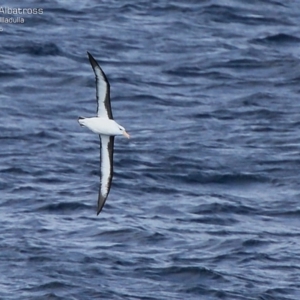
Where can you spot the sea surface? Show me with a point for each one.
(205, 199)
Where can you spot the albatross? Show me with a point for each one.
(106, 127)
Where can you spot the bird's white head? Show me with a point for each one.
(123, 131)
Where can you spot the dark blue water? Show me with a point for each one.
(205, 199)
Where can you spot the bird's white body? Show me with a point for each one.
(102, 126)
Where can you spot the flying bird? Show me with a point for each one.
(107, 128)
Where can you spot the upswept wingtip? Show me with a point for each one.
(99, 209)
(101, 202)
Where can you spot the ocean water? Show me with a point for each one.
(205, 196)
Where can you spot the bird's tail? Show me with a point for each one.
(80, 121)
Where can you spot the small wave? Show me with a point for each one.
(224, 208)
(14, 170)
(280, 38)
(241, 178)
(187, 275)
(63, 207)
(39, 49)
